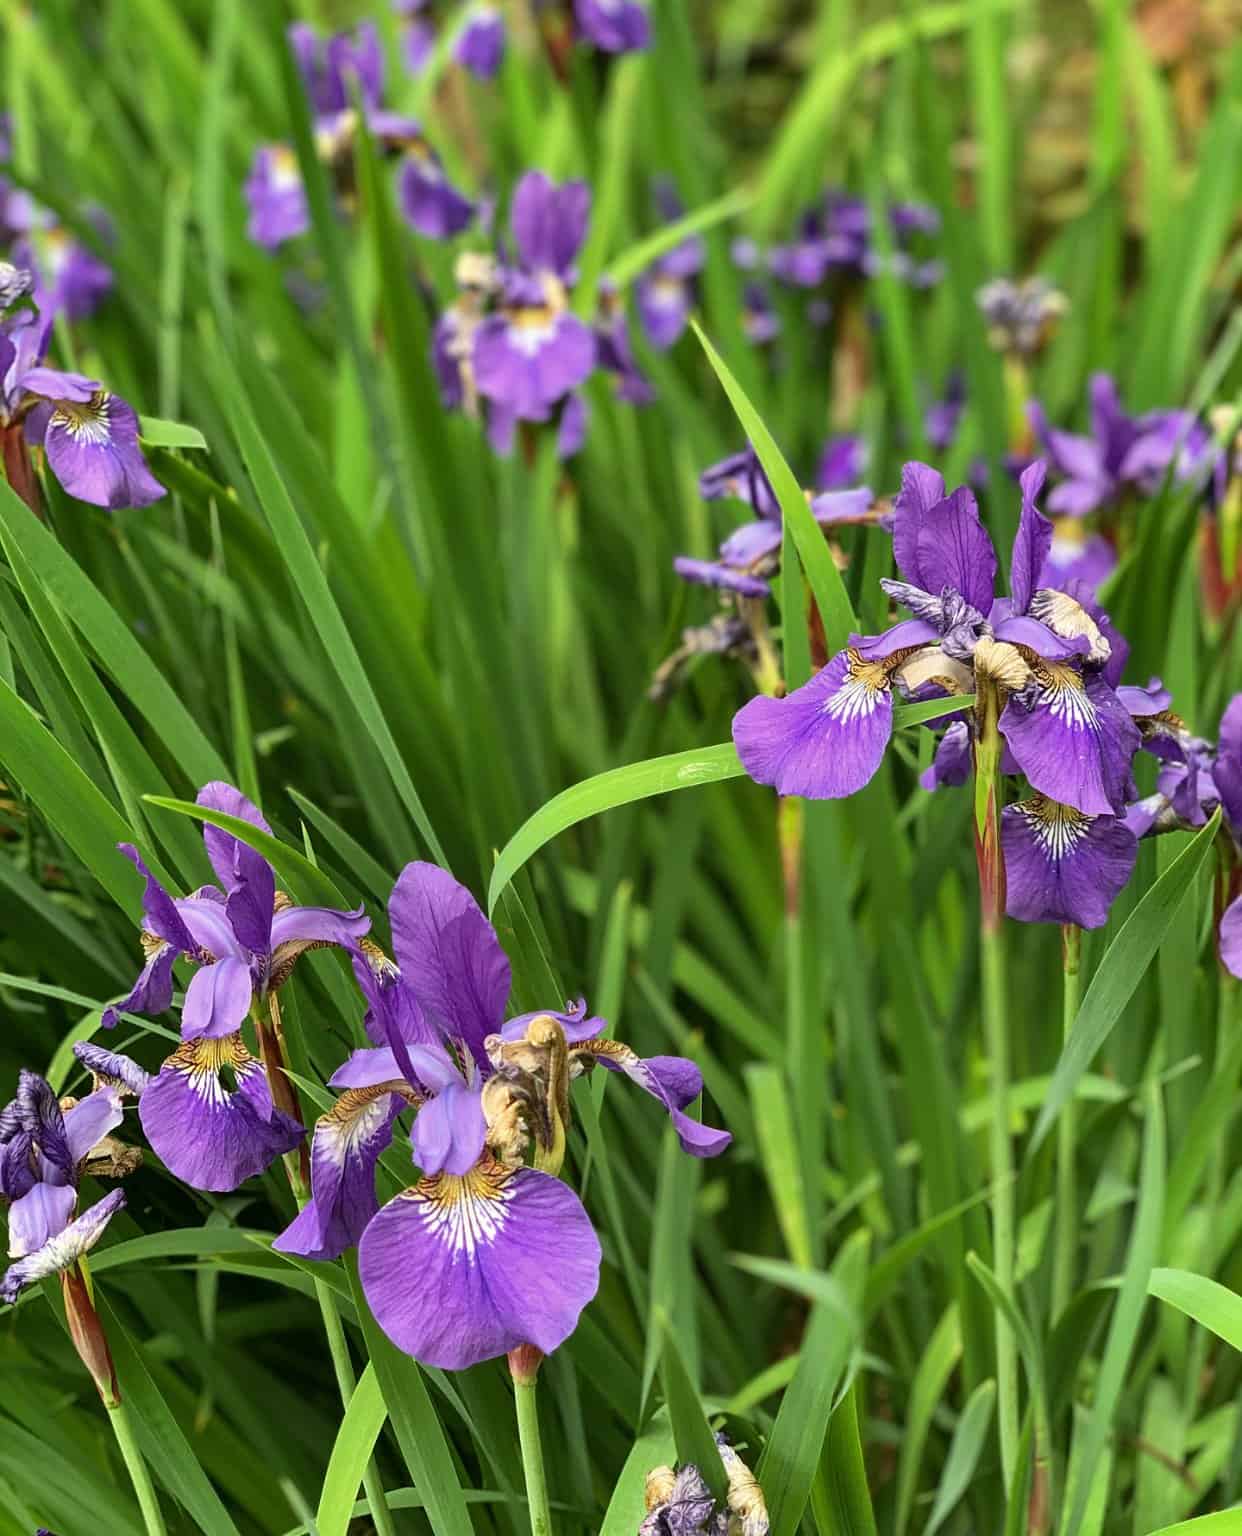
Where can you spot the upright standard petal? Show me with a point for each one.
(92, 449)
(227, 853)
(458, 1270)
(1229, 938)
(348, 1143)
(826, 739)
(210, 1133)
(614, 26)
(63, 1250)
(673, 1080)
(1227, 769)
(951, 765)
(955, 551)
(449, 954)
(1073, 739)
(921, 489)
(1062, 866)
(480, 44)
(549, 222)
(1032, 541)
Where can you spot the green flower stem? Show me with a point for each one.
(991, 865)
(346, 1381)
(1067, 1193)
(532, 1457)
(152, 1519)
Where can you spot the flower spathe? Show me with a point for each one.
(1062, 721)
(483, 1253)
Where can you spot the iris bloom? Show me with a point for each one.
(89, 434)
(1021, 317)
(485, 1252)
(44, 1147)
(613, 26)
(679, 1502)
(480, 44)
(1062, 721)
(1197, 777)
(532, 352)
(209, 1113)
(328, 64)
(748, 558)
(666, 292)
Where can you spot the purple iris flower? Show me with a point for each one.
(749, 556)
(1195, 779)
(842, 463)
(615, 351)
(328, 64)
(613, 26)
(1121, 452)
(533, 351)
(1022, 316)
(246, 936)
(70, 279)
(943, 417)
(1062, 721)
(89, 434)
(43, 1148)
(418, 35)
(480, 45)
(760, 322)
(275, 197)
(485, 1253)
(667, 292)
(431, 203)
(679, 1502)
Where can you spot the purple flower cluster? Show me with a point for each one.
(1066, 722)
(510, 341)
(1196, 778)
(331, 68)
(487, 1250)
(480, 37)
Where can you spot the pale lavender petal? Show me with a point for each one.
(217, 1000)
(318, 925)
(348, 1143)
(529, 361)
(549, 222)
(38, 1216)
(1227, 770)
(209, 1134)
(831, 507)
(577, 1023)
(64, 1250)
(1032, 541)
(751, 542)
(462, 1270)
(1062, 866)
(674, 1081)
(222, 847)
(207, 920)
(710, 573)
(89, 1120)
(826, 739)
(93, 450)
(449, 1131)
(449, 954)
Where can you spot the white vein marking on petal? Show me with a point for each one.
(202, 1059)
(1066, 698)
(354, 1120)
(464, 1212)
(86, 423)
(1057, 829)
(858, 693)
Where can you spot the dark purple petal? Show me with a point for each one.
(1113, 430)
(1038, 637)
(613, 26)
(577, 1023)
(64, 1250)
(742, 477)
(449, 1131)
(1032, 541)
(1227, 770)
(549, 222)
(93, 451)
(462, 1270)
(1073, 740)
(750, 543)
(922, 488)
(42, 1120)
(112, 1065)
(480, 44)
(152, 992)
(664, 302)
(842, 463)
(826, 739)
(431, 204)
(450, 955)
(571, 430)
(710, 573)
(900, 637)
(348, 1143)
(392, 1005)
(951, 766)
(208, 1133)
(223, 849)
(1062, 866)
(1230, 938)
(955, 552)
(159, 911)
(672, 1080)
